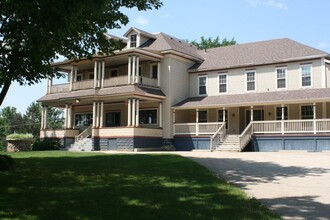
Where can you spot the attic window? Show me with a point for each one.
(133, 40)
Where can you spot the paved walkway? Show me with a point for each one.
(296, 185)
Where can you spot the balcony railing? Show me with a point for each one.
(115, 81)
(60, 88)
(149, 81)
(84, 84)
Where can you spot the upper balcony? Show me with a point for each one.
(117, 70)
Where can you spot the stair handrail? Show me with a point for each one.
(222, 132)
(245, 136)
(87, 132)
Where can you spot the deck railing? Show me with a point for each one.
(196, 128)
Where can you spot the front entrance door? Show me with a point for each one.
(258, 115)
(112, 119)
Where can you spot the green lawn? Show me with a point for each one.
(64, 185)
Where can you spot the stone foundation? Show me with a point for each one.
(19, 145)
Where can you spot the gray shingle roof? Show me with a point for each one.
(257, 53)
(111, 91)
(165, 42)
(293, 96)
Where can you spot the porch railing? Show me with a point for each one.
(149, 81)
(84, 84)
(196, 128)
(218, 137)
(59, 88)
(245, 136)
(116, 81)
(87, 132)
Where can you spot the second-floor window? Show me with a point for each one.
(133, 40)
(281, 77)
(223, 83)
(202, 85)
(251, 80)
(306, 75)
(154, 71)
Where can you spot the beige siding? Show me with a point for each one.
(265, 79)
(328, 74)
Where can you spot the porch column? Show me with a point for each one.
(314, 117)
(137, 77)
(161, 114)
(173, 120)
(97, 124)
(197, 116)
(70, 116)
(94, 114)
(282, 118)
(158, 71)
(66, 113)
(133, 112)
(101, 114)
(42, 118)
(133, 71)
(223, 114)
(95, 73)
(129, 114)
(45, 110)
(71, 77)
(251, 117)
(129, 72)
(102, 73)
(49, 85)
(137, 114)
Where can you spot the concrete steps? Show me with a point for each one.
(85, 144)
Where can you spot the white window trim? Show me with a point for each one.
(305, 104)
(286, 78)
(142, 109)
(207, 115)
(205, 85)
(130, 40)
(300, 68)
(280, 106)
(228, 118)
(151, 66)
(255, 81)
(221, 74)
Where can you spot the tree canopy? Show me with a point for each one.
(34, 33)
(206, 43)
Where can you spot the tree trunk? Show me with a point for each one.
(4, 91)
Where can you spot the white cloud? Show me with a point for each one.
(323, 45)
(271, 3)
(142, 20)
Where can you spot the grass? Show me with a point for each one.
(65, 185)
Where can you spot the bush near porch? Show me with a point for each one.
(68, 185)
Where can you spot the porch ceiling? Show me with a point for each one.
(105, 93)
(254, 99)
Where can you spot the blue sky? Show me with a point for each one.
(305, 21)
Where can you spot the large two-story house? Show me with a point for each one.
(161, 91)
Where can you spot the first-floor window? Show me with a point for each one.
(148, 116)
(83, 119)
(113, 72)
(279, 113)
(202, 116)
(307, 112)
(202, 85)
(220, 116)
(112, 119)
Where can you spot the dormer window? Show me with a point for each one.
(133, 40)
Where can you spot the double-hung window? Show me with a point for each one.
(223, 83)
(306, 75)
(281, 77)
(133, 40)
(251, 80)
(202, 85)
(307, 112)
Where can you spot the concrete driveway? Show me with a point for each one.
(296, 185)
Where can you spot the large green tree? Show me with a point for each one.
(206, 43)
(33, 33)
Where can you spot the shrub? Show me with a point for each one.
(19, 136)
(6, 162)
(46, 145)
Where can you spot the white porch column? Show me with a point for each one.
(49, 85)
(94, 114)
(129, 113)
(97, 114)
(45, 117)
(137, 114)
(137, 77)
(251, 117)
(42, 118)
(173, 120)
(129, 72)
(161, 114)
(71, 77)
(133, 112)
(314, 117)
(102, 73)
(158, 72)
(282, 118)
(95, 73)
(66, 115)
(223, 114)
(101, 114)
(197, 116)
(70, 116)
(133, 70)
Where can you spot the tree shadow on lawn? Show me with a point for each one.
(246, 173)
(120, 187)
